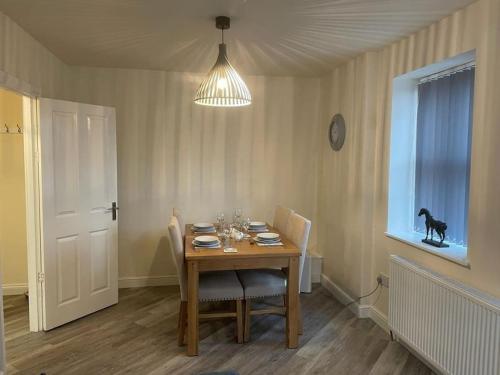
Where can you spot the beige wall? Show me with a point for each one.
(13, 255)
(352, 209)
(28, 66)
(172, 152)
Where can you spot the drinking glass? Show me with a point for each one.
(227, 234)
(220, 221)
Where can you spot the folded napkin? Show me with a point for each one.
(269, 244)
(204, 231)
(258, 231)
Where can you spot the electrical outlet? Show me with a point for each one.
(383, 280)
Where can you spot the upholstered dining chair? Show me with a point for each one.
(281, 216)
(263, 283)
(213, 286)
(177, 213)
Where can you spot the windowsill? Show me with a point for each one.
(454, 253)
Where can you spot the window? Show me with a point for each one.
(430, 155)
(444, 125)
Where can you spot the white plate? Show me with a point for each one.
(257, 224)
(258, 230)
(268, 236)
(214, 244)
(203, 225)
(208, 230)
(267, 240)
(211, 244)
(206, 239)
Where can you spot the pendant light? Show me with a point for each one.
(223, 87)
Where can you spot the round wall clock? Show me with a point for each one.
(336, 133)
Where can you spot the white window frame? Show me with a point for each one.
(401, 199)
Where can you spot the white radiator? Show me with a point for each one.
(454, 327)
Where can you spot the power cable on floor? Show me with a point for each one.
(367, 295)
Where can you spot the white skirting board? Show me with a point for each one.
(361, 311)
(14, 289)
(123, 282)
(142, 281)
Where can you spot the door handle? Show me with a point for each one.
(113, 209)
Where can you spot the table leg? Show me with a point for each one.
(292, 313)
(192, 307)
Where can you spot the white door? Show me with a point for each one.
(79, 228)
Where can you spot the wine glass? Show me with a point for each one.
(246, 224)
(238, 212)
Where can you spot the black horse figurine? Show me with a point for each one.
(433, 225)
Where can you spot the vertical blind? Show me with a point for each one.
(444, 125)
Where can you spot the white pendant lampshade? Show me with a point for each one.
(223, 87)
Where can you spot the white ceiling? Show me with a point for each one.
(273, 37)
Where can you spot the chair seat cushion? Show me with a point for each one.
(263, 282)
(219, 286)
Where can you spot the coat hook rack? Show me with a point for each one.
(7, 130)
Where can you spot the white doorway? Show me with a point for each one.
(13, 224)
(13, 253)
(70, 199)
(17, 218)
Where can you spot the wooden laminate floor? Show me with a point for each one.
(138, 336)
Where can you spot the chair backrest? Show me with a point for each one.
(177, 249)
(177, 213)
(281, 217)
(298, 229)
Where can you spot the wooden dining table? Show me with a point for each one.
(249, 256)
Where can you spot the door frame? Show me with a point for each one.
(32, 175)
(31, 138)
